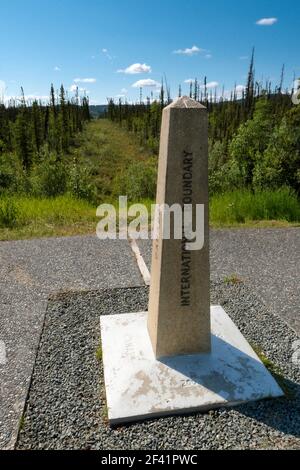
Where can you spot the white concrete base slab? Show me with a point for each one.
(138, 386)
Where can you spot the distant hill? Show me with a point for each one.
(98, 110)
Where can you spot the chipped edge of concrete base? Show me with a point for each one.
(139, 387)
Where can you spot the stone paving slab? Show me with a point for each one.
(30, 271)
(139, 386)
(268, 260)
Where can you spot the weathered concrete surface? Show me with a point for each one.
(179, 305)
(138, 386)
(29, 272)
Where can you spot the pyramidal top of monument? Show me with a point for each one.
(185, 102)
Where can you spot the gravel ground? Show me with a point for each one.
(66, 404)
(30, 270)
(267, 259)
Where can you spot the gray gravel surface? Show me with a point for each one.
(29, 271)
(267, 259)
(66, 406)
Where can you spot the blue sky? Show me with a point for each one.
(94, 44)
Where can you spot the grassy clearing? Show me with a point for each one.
(109, 151)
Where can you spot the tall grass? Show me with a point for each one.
(59, 210)
(9, 213)
(27, 217)
(239, 207)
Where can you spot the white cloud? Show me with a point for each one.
(240, 88)
(227, 94)
(124, 91)
(244, 57)
(85, 80)
(208, 56)
(57, 69)
(105, 51)
(189, 51)
(146, 83)
(37, 97)
(267, 21)
(28, 98)
(73, 89)
(136, 68)
(211, 85)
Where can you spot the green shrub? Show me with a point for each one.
(12, 175)
(49, 176)
(79, 182)
(138, 181)
(251, 140)
(153, 145)
(280, 163)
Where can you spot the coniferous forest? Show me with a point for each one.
(254, 135)
(35, 140)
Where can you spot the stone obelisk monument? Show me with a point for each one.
(181, 356)
(179, 307)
